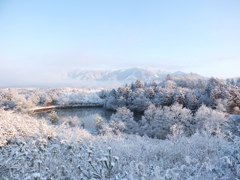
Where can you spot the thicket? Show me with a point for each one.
(41, 150)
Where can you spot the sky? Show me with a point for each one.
(41, 40)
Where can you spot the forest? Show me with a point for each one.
(189, 130)
(191, 93)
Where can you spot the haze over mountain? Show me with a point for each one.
(125, 75)
(95, 78)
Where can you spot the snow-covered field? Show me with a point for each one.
(37, 149)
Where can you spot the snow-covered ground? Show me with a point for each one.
(43, 149)
(169, 142)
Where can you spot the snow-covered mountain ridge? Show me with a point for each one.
(125, 75)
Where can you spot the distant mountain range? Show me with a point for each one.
(125, 75)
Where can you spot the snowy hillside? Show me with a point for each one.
(124, 75)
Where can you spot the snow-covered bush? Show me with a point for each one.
(75, 155)
(7, 104)
(84, 97)
(32, 97)
(14, 125)
(160, 122)
(105, 167)
(53, 117)
(123, 120)
(209, 121)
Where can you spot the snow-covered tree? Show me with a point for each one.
(209, 121)
(123, 120)
(138, 84)
(238, 82)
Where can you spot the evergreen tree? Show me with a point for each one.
(238, 82)
(138, 84)
(232, 82)
(168, 77)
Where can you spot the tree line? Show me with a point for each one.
(191, 93)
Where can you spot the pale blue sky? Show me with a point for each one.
(50, 37)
